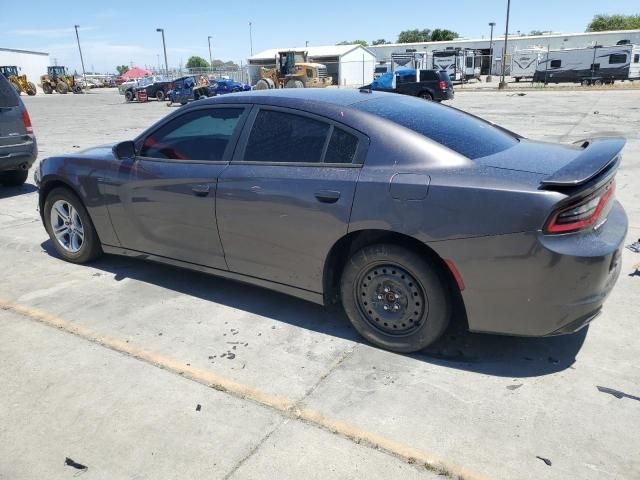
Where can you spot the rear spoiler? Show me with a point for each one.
(598, 154)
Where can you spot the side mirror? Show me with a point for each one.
(124, 150)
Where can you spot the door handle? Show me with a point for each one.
(327, 196)
(201, 190)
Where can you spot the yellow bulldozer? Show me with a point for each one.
(59, 80)
(19, 82)
(293, 70)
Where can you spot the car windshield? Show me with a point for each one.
(465, 134)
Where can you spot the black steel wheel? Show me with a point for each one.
(395, 298)
(160, 95)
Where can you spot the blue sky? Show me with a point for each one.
(118, 32)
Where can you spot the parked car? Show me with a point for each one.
(186, 89)
(379, 71)
(405, 210)
(155, 87)
(18, 147)
(427, 84)
(222, 86)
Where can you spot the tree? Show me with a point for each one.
(443, 35)
(602, 23)
(122, 69)
(197, 62)
(380, 41)
(413, 36)
(535, 33)
(355, 42)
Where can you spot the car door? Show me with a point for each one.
(286, 197)
(166, 196)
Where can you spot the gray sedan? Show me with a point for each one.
(403, 210)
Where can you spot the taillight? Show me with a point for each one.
(582, 214)
(443, 85)
(27, 122)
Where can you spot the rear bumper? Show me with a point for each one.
(532, 284)
(20, 156)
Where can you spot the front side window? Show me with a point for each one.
(556, 63)
(197, 135)
(285, 137)
(616, 58)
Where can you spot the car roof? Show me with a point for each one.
(334, 96)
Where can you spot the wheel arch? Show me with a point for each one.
(354, 241)
(48, 185)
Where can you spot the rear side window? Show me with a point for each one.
(8, 96)
(286, 137)
(408, 78)
(615, 58)
(197, 135)
(462, 133)
(426, 75)
(556, 63)
(342, 147)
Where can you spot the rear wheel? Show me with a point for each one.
(295, 84)
(32, 89)
(426, 96)
(586, 83)
(62, 88)
(70, 228)
(160, 96)
(129, 96)
(46, 88)
(597, 83)
(265, 84)
(14, 178)
(394, 298)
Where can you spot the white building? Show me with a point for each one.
(553, 41)
(346, 64)
(31, 64)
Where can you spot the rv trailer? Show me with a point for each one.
(525, 62)
(410, 59)
(590, 66)
(460, 64)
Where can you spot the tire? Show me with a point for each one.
(597, 83)
(518, 79)
(89, 249)
(129, 96)
(384, 278)
(586, 83)
(62, 88)
(294, 84)
(160, 95)
(14, 178)
(31, 91)
(46, 88)
(426, 96)
(265, 84)
(77, 89)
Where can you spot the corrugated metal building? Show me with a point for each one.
(346, 64)
(31, 64)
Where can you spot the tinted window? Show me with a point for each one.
(636, 58)
(8, 97)
(285, 137)
(407, 78)
(465, 134)
(342, 147)
(469, 62)
(381, 70)
(428, 75)
(618, 58)
(197, 135)
(556, 63)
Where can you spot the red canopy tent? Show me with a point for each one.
(136, 72)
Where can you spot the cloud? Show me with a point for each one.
(48, 32)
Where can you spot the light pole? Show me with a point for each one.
(489, 79)
(250, 39)
(164, 46)
(503, 83)
(210, 57)
(306, 43)
(84, 76)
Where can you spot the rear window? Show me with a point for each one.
(462, 133)
(8, 96)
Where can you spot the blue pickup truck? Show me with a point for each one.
(222, 86)
(186, 89)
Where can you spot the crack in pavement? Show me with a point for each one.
(286, 407)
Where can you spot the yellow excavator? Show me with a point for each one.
(59, 80)
(19, 82)
(293, 70)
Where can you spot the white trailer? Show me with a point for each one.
(410, 59)
(460, 64)
(590, 66)
(525, 62)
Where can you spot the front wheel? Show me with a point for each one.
(160, 96)
(31, 91)
(62, 88)
(70, 227)
(129, 96)
(395, 298)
